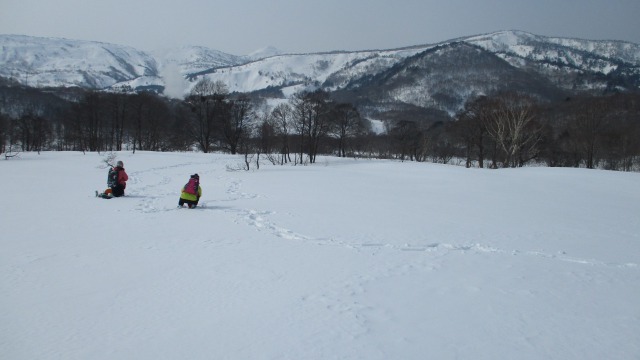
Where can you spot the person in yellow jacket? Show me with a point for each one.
(191, 192)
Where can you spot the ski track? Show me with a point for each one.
(260, 221)
(150, 194)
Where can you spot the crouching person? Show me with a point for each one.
(191, 192)
(116, 182)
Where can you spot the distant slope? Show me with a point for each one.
(60, 62)
(576, 52)
(194, 59)
(331, 70)
(573, 64)
(443, 78)
(54, 62)
(432, 78)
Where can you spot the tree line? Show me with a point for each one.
(495, 131)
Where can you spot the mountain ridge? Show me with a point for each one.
(550, 67)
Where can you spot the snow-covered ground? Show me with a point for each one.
(345, 259)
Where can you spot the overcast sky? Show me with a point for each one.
(240, 27)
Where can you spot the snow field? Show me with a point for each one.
(345, 259)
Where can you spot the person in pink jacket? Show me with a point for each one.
(191, 192)
(121, 180)
(116, 181)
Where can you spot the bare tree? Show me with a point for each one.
(347, 125)
(234, 122)
(205, 87)
(512, 126)
(586, 125)
(207, 101)
(92, 120)
(3, 132)
(471, 128)
(627, 129)
(311, 118)
(409, 140)
(32, 130)
(150, 120)
(118, 104)
(280, 121)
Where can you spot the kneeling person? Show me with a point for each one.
(191, 192)
(116, 182)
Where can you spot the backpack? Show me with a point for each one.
(192, 186)
(112, 177)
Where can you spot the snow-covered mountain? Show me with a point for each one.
(43, 62)
(439, 76)
(589, 55)
(294, 71)
(570, 63)
(442, 78)
(55, 62)
(195, 59)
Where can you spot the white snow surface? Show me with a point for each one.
(344, 259)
